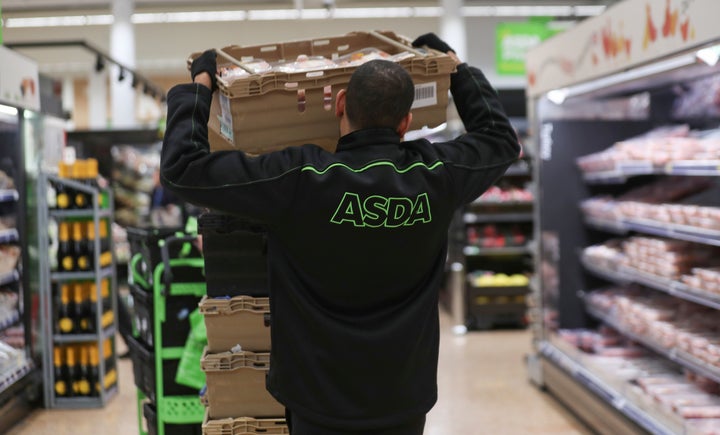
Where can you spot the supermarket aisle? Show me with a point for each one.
(482, 381)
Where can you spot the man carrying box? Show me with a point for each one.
(357, 239)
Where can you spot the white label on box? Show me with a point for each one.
(225, 110)
(425, 95)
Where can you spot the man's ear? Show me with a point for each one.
(404, 125)
(340, 103)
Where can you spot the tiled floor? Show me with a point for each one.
(482, 382)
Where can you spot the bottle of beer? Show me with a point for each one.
(91, 178)
(85, 321)
(81, 198)
(94, 377)
(78, 306)
(63, 193)
(65, 310)
(90, 244)
(82, 261)
(66, 258)
(84, 385)
(60, 373)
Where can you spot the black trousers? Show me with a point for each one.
(300, 426)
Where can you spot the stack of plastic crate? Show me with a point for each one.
(236, 311)
(167, 282)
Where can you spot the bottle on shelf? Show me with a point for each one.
(73, 370)
(78, 306)
(82, 259)
(64, 194)
(65, 319)
(81, 199)
(86, 323)
(84, 378)
(66, 257)
(60, 373)
(92, 305)
(94, 378)
(90, 244)
(105, 253)
(91, 179)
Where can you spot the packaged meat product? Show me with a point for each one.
(304, 63)
(699, 411)
(702, 426)
(674, 402)
(659, 390)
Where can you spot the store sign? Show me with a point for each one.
(19, 80)
(514, 40)
(628, 34)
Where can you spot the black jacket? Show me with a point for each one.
(356, 246)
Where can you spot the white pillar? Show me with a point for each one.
(452, 27)
(122, 49)
(97, 100)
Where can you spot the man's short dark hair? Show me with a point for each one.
(379, 94)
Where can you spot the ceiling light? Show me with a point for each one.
(121, 74)
(7, 110)
(99, 63)
(709, 55)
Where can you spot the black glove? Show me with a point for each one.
(206, 62)
(431, 40)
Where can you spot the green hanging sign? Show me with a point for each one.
(512, 42)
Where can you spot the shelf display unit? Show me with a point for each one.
(493, 238)
(78, 303)
(627, 217)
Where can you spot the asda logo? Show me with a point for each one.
(378, 211)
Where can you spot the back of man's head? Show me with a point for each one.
(379, 94)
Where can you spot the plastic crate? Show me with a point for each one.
(242, 320)
(146, 255)
(234, 251)
(245, 111)
(236, 385)
(245, 426)
(175, 328)
(150, 413)
(144, 372)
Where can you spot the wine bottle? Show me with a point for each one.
(84, 372)
(94, 378)
(73, 370)
(65, 320)
(61, 387)
(66, 258)
(63, 193)
(90, 244)
(81, 200)
(79, 243)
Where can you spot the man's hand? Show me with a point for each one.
(205, 63)
(431, 40)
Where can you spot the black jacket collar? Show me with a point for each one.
(366, 137)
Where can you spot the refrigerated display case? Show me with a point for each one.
(21, 124)
(626, 118)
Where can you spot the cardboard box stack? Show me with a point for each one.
(283, 94)
(236, 311)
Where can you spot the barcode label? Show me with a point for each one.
(425, 95)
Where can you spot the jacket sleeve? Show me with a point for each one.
(227, 181)
(479, 157)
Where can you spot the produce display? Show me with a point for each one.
(497, 235)
(502, 194)
(484, 278)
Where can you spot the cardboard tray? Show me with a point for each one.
(242, 320)
(236, 385)
(244, 426)
(265, 112)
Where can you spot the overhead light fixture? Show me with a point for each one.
(709, 55)
(121, 74)
(307, 14)
(135, 81)
(8, 110)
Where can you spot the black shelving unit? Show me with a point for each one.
(493, 306)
